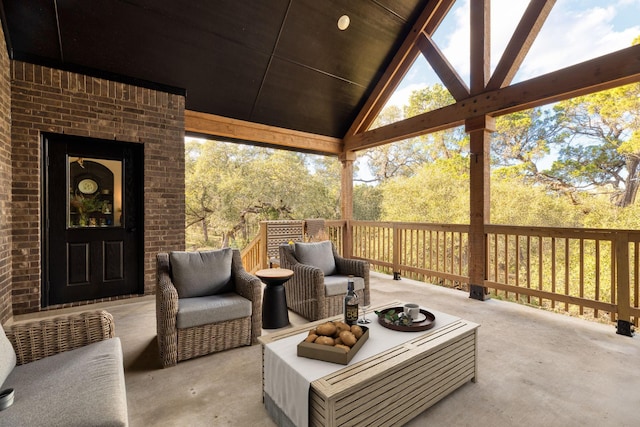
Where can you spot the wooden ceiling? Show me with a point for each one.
(280, 63)
(280, 72)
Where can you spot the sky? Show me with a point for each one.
(575, 31)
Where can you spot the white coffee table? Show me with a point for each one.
(428, 366)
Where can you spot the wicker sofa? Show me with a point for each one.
(319, 280)
(66, 371)
(205, 302)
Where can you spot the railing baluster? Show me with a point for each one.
(566, 271)
(598, 270)
(612, 287)
(636, 276)
(517, 264)
(581, 278)
(553, 270)
(528, 267)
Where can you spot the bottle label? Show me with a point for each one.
(351, 314)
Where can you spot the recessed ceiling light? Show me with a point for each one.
(343, 22)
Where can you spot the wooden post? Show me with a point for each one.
(479, 129)
(623, 293)
(346, 200)
(264, 262)
(397, 247)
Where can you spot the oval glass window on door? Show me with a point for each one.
(95, 192)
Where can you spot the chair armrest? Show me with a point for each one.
(166, 312)
(358, 268)
(250, 287)
(355, 267)
(36, 340)
(307, 282)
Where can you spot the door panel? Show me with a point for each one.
(93, 208)
(78, 263)
(113, 260)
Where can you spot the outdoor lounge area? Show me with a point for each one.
(535, 368)
(96, 104)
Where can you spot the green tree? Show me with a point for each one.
(231, 187)
(437, 193)
(367, 202)
(405, 157)
(515, 200)
(523, 139)
(601, 149)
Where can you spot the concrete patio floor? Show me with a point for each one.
(535, 369)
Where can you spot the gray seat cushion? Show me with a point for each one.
(79, 387)
(196, 274)
(7, 356)
(337, 284)
(211, 309)
(317, 254)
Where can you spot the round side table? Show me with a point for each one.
(274, 300)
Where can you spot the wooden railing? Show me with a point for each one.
(252, 255)
(427, 252)
(586, 272)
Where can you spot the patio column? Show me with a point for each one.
(346, 199)
(479, 130)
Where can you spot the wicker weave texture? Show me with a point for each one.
(306, 292)
(38, 339)
(206, 339)
(175, 344)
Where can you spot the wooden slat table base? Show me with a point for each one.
(395, 386)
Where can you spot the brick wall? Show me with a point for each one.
(5, 184)
(50, 100)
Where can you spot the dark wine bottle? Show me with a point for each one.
(350, 304)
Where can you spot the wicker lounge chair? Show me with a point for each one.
(195, 318)
(319, 281)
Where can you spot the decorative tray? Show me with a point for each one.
(427, 322)
(330, 353)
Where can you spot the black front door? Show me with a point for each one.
(93, 219)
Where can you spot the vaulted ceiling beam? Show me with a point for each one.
(605, 72)
(196, 123)
(523, 37)
(447, 74)
(428, 21)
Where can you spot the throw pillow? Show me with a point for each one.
(317, 254)
(197, 274)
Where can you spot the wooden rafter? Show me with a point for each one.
(224, 127)
(605, 72)
(480, 59)
(428, 21)
(447, 74)
(520, 43)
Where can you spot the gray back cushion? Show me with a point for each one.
(317, 254)
(7, 356)
(197, 274)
